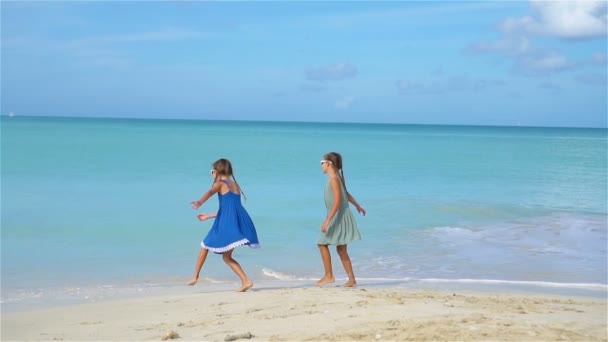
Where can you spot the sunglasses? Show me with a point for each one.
(212, 171)
(325, 161)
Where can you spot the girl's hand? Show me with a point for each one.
(361, 210)
(324, 226)
(195, 204)
(203, 217)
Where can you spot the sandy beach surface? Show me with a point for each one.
(315, 314)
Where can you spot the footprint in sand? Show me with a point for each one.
(91, 323)
(362, 302)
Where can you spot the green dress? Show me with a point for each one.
(342, 229)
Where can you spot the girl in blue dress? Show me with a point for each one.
(232, 226)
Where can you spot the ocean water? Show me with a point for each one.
(98, 208)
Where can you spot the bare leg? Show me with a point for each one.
(329, 273)
(246, 283)
(202, 255)
(348, 267)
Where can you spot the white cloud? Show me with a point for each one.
(550, 86)
(599, 58)
(593, 79)
(312, 87)
(345, 102)
(167, 34)
(512, 46)
(447, 84)
(571, 19)
(335, 72)
(408, 86)
(108, 50)
(543, 63)
(548, 62)
(358, 16)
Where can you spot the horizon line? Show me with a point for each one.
(289, 121)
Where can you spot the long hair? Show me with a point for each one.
(223, 167)
(336, 160)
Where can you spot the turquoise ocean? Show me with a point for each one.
(95, 209)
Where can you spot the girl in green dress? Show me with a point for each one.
(339, 228)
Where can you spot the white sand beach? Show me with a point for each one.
(315, 314)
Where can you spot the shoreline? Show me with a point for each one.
(33, 299)
(328, 313)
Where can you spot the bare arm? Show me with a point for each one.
(352, 200)
(335, 189)
(203, 216)
(214, 188)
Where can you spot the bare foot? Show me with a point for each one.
(325, 280)
(193, 281)
(350, 283)
(246, 286)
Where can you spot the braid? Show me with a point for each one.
(343, 180)
(336, 159)
(241, 190)
(224, 167)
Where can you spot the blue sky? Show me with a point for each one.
(481, 63)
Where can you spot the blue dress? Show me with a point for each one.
(232, 226)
